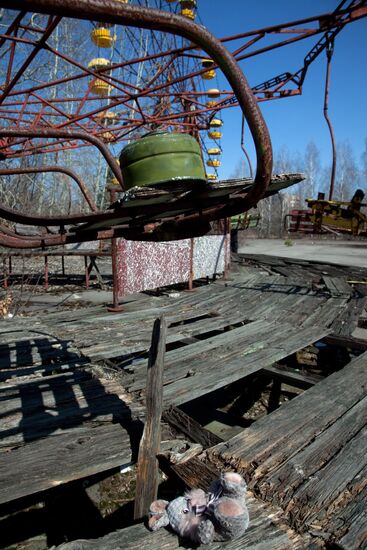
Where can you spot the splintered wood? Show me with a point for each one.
(310, 456)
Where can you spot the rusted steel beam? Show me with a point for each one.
(136, 16)
(52, 24)
(47, 133)
(46, 169)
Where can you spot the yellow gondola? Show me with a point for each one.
(107, 118)
(214, 134)
(214, 163)
(215, 123)
(99, 87)
(213, 92)
(209, 75)
(214, 151)
(211, 177)
(189, 14)
(102, 37)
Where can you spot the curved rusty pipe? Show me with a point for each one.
(329, 54)
(112, 11)
(36, 132)
(42, 169)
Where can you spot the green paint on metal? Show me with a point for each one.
(160, 158)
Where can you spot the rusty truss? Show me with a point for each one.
(53, 104)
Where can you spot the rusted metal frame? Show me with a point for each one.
(19, 39)
(86, 115)
(243, 146)
(86, 272)
(22, 111)
(284, 26)
(165, 22)
(45, 169)
(14, 25)
(71, 135)
(276, 46)
(18, 216)
(31, 29)
(147, 92)
(329, 54)
(248, 44)
(53, 22)
(45, 282)
(82, 75)
(321, 45)
(5, 272)
(161, 70)
(96, 74)
(140, 215)
(11, 60)
(79, 108)
(55, 108)
(336, 25)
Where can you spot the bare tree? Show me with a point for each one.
(312, 170)
(346, 173)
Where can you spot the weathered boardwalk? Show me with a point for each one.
(310, 457)
(64, 418)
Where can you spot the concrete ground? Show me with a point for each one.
(352, 253)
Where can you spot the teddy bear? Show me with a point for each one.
(203, 518)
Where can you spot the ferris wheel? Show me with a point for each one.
(113, 82)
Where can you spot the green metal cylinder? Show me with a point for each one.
(162, 159)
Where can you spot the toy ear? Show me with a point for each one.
(158, 515)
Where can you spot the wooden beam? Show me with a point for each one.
(346, 341)
(147, 468)
(296, 379)
(190, 428)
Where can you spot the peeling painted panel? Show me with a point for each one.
(210, 255)
(146, 266)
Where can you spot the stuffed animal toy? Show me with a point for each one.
(203, 518)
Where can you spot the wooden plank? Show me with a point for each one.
(349, 523)
(51, 462)
(323, 493)
(265, 531)
(346, 341)
(147, 468)
(297, 379)
(14, 374)
(180, 361)
(272, 440)
(50, 406)
(347, 320)
(210, 375)
(285, 480)
(137, 341)
(190, 428)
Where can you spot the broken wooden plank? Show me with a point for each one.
(209, 373)
(147, 467)
(281, 484)
(78, 453)
(340, 479)
(272, 440)
(190, 427)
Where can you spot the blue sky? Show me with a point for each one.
(295, 121)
